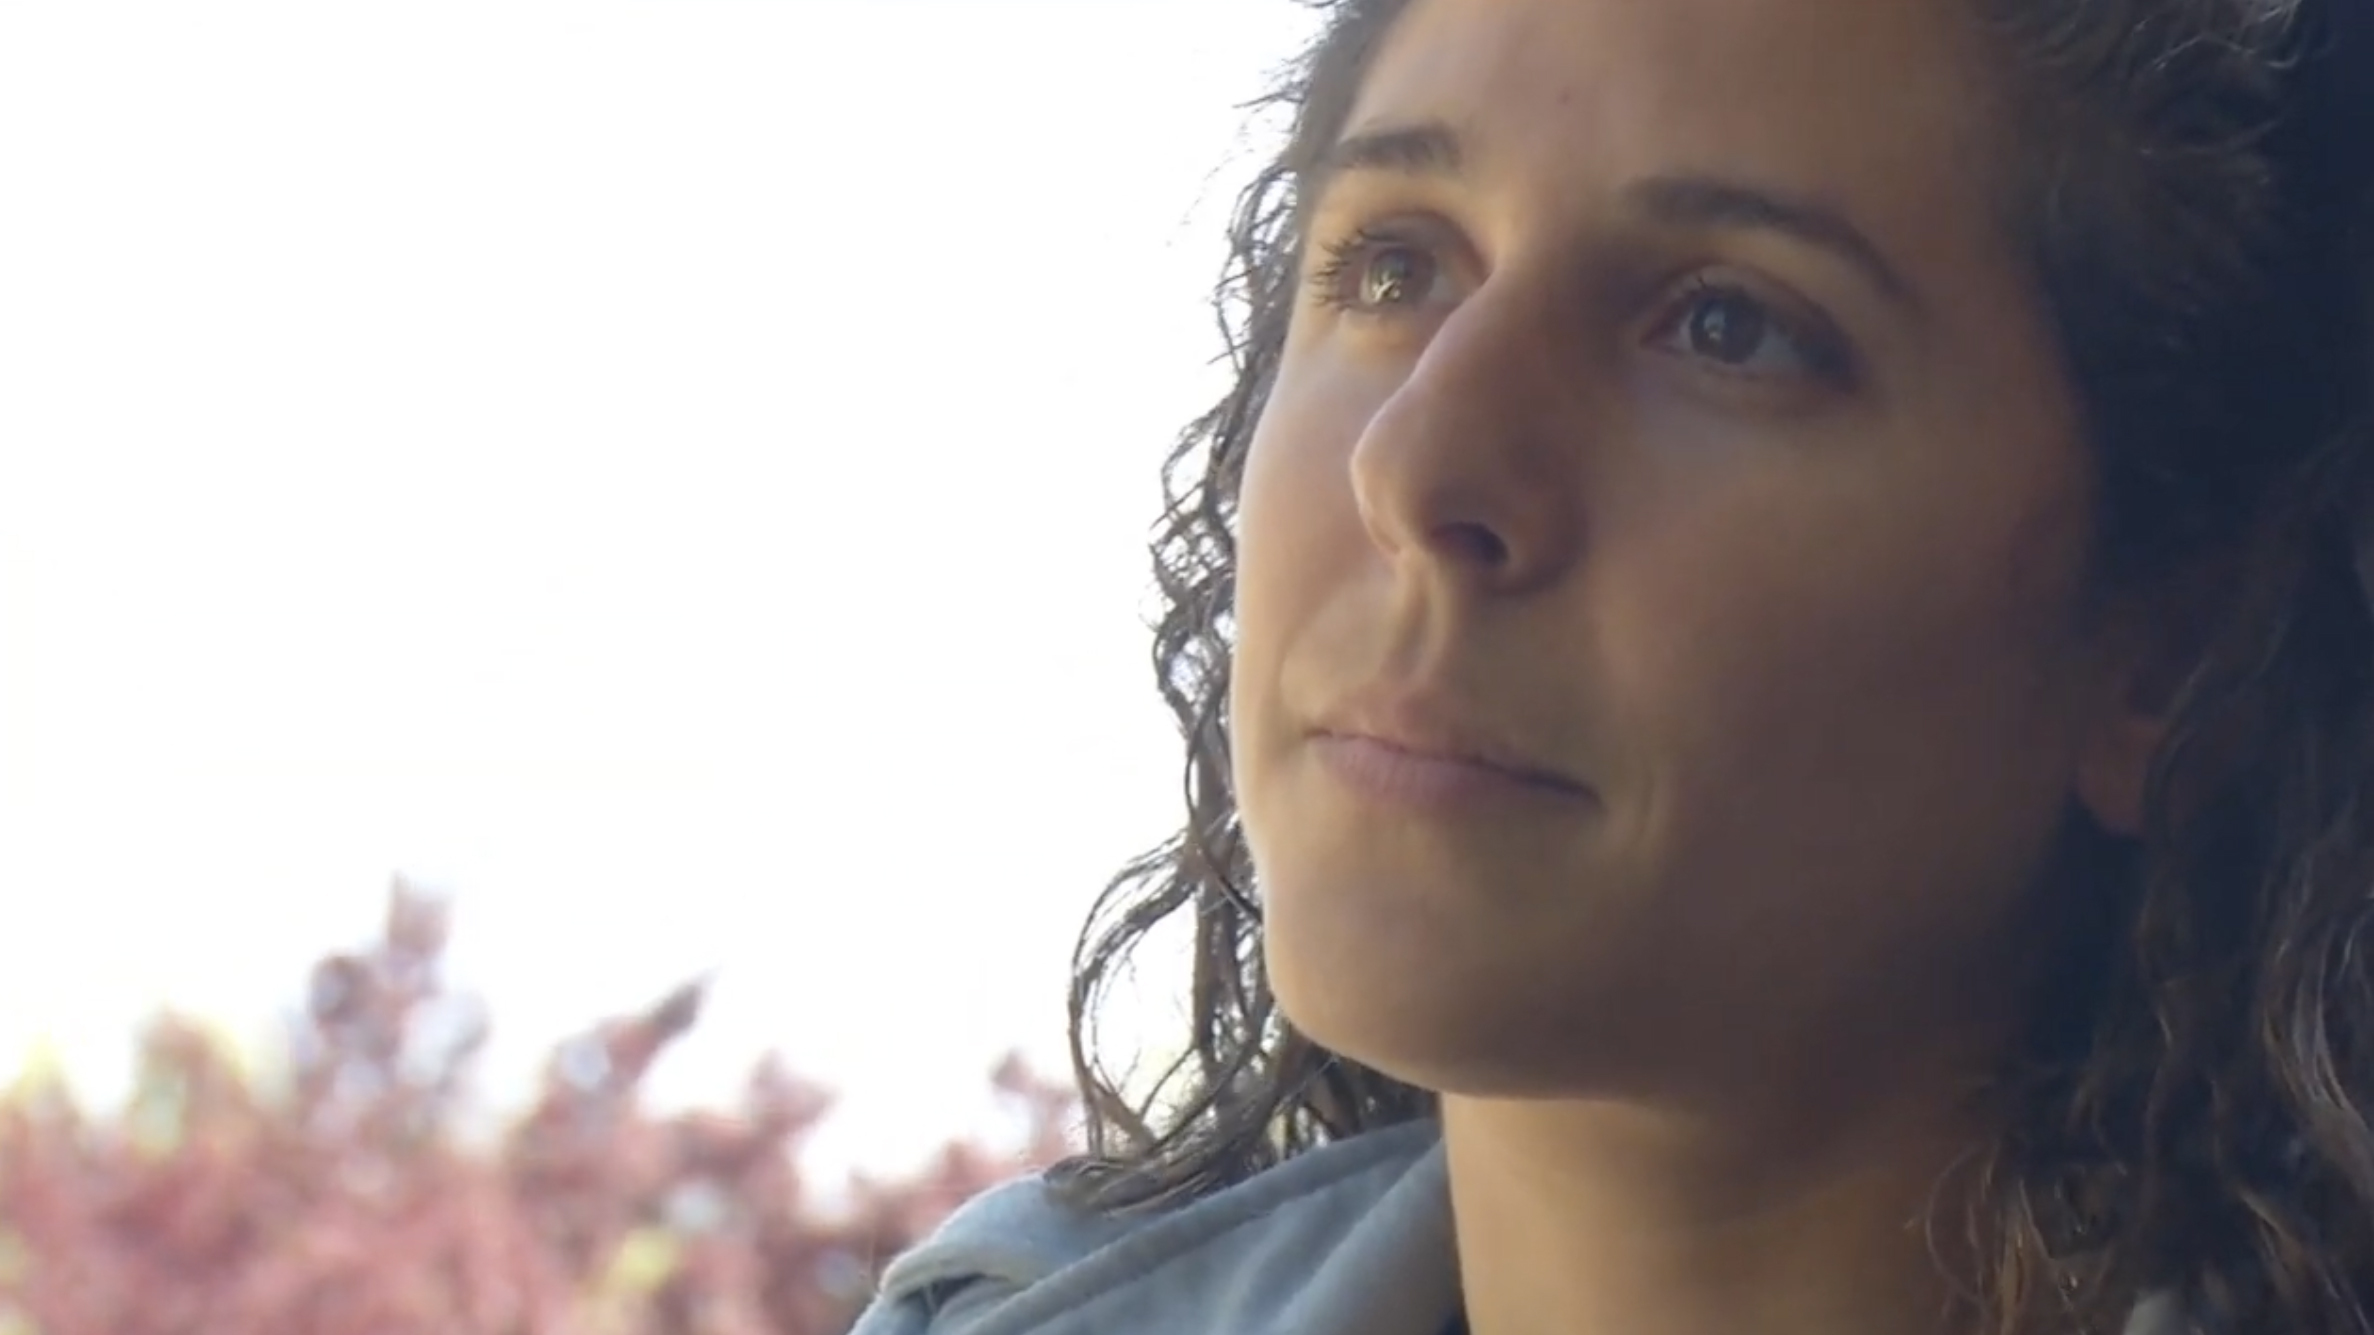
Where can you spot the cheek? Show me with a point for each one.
(1806, 688)
(1769, 619)
(1298, 530)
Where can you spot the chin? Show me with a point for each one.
(1455, 1046)
(1454, 1004)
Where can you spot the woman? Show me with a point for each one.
(1779, 695)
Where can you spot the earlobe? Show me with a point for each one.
(2136, 709)
(2115, 769)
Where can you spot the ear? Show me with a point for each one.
(2114, 766)
(2146, 653)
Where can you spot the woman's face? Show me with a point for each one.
(1659, 625)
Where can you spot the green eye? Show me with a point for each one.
(1393, 276)
(1372, 274)
(1742, 334)
(1729, 327)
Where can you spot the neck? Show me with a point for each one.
(1584, 1217)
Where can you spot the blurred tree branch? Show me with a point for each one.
(346, 1201)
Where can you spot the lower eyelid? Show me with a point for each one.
(1822, 349)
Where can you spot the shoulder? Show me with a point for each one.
(1354, 1236)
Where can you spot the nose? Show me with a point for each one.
(1466, 468)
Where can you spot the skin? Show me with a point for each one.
(1802, 611)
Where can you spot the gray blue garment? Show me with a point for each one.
(1350, 1239)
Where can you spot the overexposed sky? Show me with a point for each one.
(671, 473)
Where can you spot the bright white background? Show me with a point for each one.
(670, 473)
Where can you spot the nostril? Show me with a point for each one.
(1473, 543)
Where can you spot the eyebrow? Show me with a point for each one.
(1432, 149)
(1427, 148)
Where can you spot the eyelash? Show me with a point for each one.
(1340, 254)
(1824, 352)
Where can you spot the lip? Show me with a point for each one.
(1416, 748)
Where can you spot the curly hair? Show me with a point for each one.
(2188, 1109)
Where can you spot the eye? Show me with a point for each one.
(1372, 274)
(1740, 333)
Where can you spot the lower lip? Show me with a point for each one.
(1404, 778)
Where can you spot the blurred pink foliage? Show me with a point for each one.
(347, 1200)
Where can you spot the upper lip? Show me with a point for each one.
(1432, 724)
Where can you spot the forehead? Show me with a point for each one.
(1880, 105)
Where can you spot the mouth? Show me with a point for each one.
(1392, 774)
(1409, 750)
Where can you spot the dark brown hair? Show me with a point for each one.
(2190, 1111)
